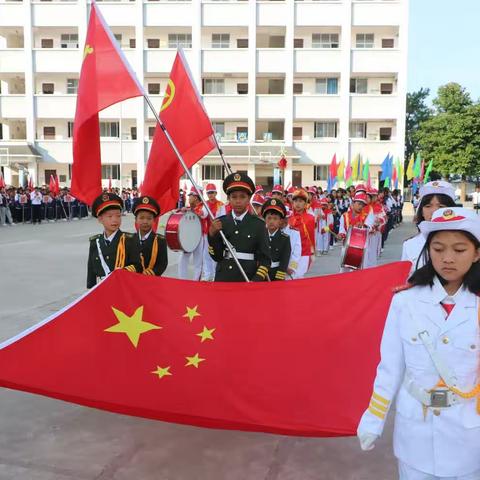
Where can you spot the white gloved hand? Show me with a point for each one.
(367, 440)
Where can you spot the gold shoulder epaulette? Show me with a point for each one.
(401, 288)
(128, 235)
(94, 237)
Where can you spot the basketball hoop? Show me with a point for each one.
(265, 157)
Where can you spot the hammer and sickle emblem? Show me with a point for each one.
(169, 95)
(88, 49)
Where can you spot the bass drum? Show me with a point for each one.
(355, 245)
(182, 231)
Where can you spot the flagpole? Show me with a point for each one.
(220, 151)
(190, 177)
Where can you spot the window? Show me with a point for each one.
(386, 88)
(297, 133)
(213, 86)
(219, 129)
(298, 88)
(242, 88)
(326, 86)
(276, 41)
(49, 133)
(212, 172)
(365, 40)
(133, 133)
(153, 43)
(109, 129)
(46, 43)
(62, 178)
(132, 43)
(298, 43)
(179, 40)
(242, 134)
(388, 43)
(325, 40)
(69, 40)
(320, 172)
(154, 88)
(242, 42)
(48, 88)
(111, 171)
(118, 38)
(385, 133)
(151, 132)
(358, 85)
(325, 129)
(358, 130)
(72, 86)
(70, 129)
(220, 40)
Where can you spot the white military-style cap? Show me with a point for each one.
(452, 218)
(439, 187)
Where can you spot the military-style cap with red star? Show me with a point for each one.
(106, 201)
(272, 205)
(238, 181)
(147, 204)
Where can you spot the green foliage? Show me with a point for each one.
(417, 112)
(452, 98)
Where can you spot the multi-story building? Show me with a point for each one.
(303, 79)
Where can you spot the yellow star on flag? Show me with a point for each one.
(206, 334)
(191, 313)
(162, 372)
(132, 326)
(88, 49)
(194, 361)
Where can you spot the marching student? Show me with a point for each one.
(217, 208)
(430, 358)
(195, 205)
(305, 224)
(295, 245)
(245, 231)
(152, 246)
(257, 202)
(113, 248)
(274, 212)
(324, 227)
(433, 195)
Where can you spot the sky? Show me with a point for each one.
(444, 45)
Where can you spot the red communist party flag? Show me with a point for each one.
(135, 345)
(105, 79)
(187, 122)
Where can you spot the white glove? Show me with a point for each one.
(367, 440)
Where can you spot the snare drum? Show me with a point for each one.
(183, 231)
(355, 245)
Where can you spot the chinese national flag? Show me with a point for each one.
(105, 79)
(2, 181)
(187, 122)
(212, 355)
(51, 184)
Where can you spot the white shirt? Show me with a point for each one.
(111, 237)
(36, 198)
(145, 237)
(476, 198)
(411, 250)
(239, 218)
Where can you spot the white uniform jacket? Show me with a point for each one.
(296, 244)
(411, 250)
(446, 442)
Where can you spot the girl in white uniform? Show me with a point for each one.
(433, 195)
(430, 358)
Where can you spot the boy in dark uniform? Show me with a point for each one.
(113, 248)
(246, 233)
(274, 212)
(152, 246)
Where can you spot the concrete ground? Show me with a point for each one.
(43, 268)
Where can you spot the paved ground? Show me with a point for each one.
(42, 268)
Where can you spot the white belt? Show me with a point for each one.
(436, 398)
(275, 264)
(241, 256)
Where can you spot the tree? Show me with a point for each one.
(452, 98)
(417, 112)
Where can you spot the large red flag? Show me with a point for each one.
(51, 184)
(187, 122)
(333, 169)
(2, 181)
(30, 183)
(187, 352)
(105, 79)
(57, 185)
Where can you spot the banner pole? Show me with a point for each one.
(190, 177)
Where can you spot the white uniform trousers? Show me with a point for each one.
(323, 241)
(406, 472)
(209, 264)
(370, 258)
(197, 256)
(302, 269)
